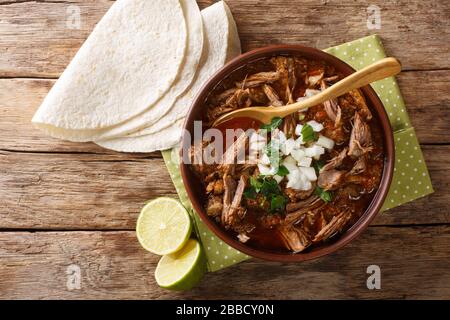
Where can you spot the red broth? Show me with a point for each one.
(265, 236)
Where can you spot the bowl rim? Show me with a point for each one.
(387, 135)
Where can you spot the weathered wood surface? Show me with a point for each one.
(36, 40)
(413, 261)
(77, 191)
(20, 98)
(88, 191)
(56, 189)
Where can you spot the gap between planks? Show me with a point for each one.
(137, 156)
(414, 264)
(32, 77)
(60, 230)
(106, 152)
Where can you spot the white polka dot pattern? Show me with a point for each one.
(410, 172)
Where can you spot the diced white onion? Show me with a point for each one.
(297, 158)
(256, 137)
(305, 162)
(290, 166)
(278, 136)
(299, 142)
(298, 154)
(309, 173)
(257, 146)
(283, 148)
(243, 237)
(325, 142)
(281, 136)
(278, 178)
(266, 170)
(313, 80)
(316, 126)
(307, 186)
(292, 184)
(273, 171)
(308, 93)
(264, 159)
(311, 92)
(298, 181)
(289, 160)
(298, 129)
(294, 179)
(257, 142)
(314, 152)
(288, 146)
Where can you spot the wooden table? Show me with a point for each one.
(69, 208)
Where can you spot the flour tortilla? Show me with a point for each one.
(222, 43)
(194, 52)
(207, 69)
(154, 113)
(186, 76)
(128, 63)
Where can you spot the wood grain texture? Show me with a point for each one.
(427, 101)
(77, 191)
(56, 189)
(20, 98)
(36, 39)
(113, 266)
(86, 191)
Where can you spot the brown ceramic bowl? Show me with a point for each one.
(193, 185)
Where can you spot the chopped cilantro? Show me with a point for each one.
(274, 123)
(282, 171)
(269, 190)
(256, 184)
(272, 150)
(275, 158)
(277, 203)
(270, 186)
(308, 134)
(318, 165)
(326, 196)
(250, 193)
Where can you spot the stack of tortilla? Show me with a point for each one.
(132, 82)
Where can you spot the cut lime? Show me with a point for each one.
(164, 226)
(182, 270)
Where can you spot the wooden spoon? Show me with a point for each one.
(381, 69)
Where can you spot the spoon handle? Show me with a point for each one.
(381, 69)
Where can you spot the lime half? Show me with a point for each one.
(182, 270)
(164, 226)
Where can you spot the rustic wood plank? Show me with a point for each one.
(86, 191)
(92, 188)
(77, 191)
(427, 101)
(20, 98)
(36, 39)
(113, 266)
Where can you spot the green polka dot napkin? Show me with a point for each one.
(411, 179)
